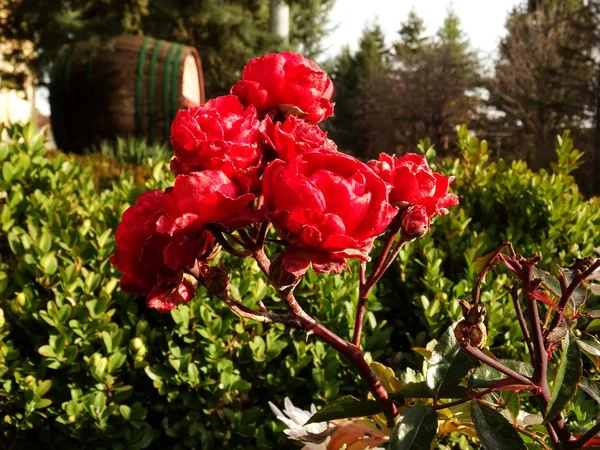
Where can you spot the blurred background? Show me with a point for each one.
(517, 72)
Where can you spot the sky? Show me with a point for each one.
(482, 20)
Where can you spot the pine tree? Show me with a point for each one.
(351, 73)
(428, 90)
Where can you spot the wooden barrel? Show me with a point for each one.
(133, 87)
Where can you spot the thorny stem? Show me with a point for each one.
(352, 354)
(360, 308)
(552, 435)
(524, 329)
(298, 317)
(488, 265)
(524, 270)
(384, 260)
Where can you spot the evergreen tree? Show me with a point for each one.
(428, 90)
(351, 73)
(227, 34)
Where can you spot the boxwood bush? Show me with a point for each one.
(83, 365)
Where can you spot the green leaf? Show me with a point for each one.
(49, 263)
(448, 365)
(115, 361)
(45, 243)
(193, 373)
(125, 411)
(590, 345)
(493, 430)
(344, 408)
(591, 388)
(47, 351)
(7, 171)
(43, 403)
(486, 376)
(567, 378)
(415, 429)
(42, 388)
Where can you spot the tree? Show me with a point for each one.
(227, 34)
(351, 73)
(544, 78)
(429, 89)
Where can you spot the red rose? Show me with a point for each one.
(200, 198)
(220, 135)
(328, 207)
(413, 182)
(140, 246)
(164, 300)
(143, 254)
(287, 81)
(294, 137)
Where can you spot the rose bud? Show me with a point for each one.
(328, 207)
(289, 83)
(414, 222)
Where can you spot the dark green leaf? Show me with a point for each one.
(567, 378)
(580, 295)
(415, 429)
(590, 345)
(493, 430)
(591, 388)
(344, 408)
(485, 376)
(448, 365)
(548, 281)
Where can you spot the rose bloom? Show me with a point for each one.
(413, 183)
(140, 256)
(201, 198)
(289, 82)
(328, 207)
(220, 135)
(294, 137)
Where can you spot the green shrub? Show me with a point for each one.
(83, 365)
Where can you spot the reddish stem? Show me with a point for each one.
(352, 354)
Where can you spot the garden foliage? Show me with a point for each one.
(83, 364)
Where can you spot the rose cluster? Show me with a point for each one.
(257, 156)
